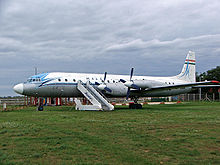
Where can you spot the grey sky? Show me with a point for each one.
(101, 35)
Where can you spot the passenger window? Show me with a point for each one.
(59, 79)
(66, 80)
(108, 81)
(74, 80)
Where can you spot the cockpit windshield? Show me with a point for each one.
(33, 80)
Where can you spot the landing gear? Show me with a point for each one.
(40, 105)
(40, 108)
(135, 104)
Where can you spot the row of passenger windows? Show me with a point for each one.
(74, 80)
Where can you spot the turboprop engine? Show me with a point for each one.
(116, 89)
(139, 84)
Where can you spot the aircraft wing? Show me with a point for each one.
(206, 86)
(195, 84)
(185, 85)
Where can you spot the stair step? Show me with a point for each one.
(97, 100)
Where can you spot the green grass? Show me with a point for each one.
(158, 134)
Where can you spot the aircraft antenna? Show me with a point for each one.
(35, 70)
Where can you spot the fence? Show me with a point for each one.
(197, 97)
(19, 101)
(13, 101)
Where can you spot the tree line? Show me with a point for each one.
(212, 74)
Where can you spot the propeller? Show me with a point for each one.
(129, 88)
(132, 71)
(105, 76)
(130, 84)
(103, 86)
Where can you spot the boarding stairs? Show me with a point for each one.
(98, 101)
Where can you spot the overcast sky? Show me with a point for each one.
(100, 35)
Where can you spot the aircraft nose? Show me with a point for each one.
(19, 88)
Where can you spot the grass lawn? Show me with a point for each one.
(158, 134)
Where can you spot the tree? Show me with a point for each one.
(213, 74)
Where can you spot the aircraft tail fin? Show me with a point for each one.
(188, 72)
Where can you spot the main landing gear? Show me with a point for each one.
(135, 105)
(40, 105)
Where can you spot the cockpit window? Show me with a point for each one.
(33, 79)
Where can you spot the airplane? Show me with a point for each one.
(59, 84)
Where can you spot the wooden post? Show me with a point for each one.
(56, 101)
(4, 106)
(219, 93)
(200, 91)
(35, 101)
(65, 101)
(49, 100)
(60, 101)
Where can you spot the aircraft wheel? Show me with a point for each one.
(135, 106)
(40, 108)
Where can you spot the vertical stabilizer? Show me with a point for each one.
(188, 72)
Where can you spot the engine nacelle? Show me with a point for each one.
(102, 87)
(117, 89)
(140, 84)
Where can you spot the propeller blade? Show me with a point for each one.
(128, 94)
(132, 70)
(105, 76)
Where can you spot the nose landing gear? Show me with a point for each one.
(135, 105)
(40, 105)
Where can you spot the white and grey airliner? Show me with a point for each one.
(57, 84)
